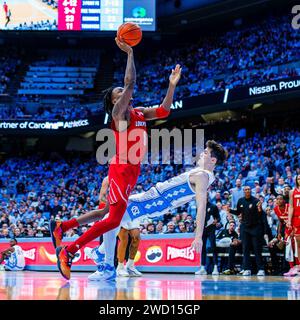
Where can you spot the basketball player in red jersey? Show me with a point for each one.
(294, 222)
(282, 212)
(5, 7)
(127, 123)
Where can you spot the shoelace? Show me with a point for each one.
(70, 257)
(101, 267)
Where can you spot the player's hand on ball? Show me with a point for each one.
(123, 46)
(175, 75)
(197, 245)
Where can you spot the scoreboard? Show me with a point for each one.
(77, 15)
(105, 15)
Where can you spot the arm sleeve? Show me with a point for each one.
(161, 112)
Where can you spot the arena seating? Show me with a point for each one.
(251, 55)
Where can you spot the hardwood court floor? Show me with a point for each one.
(27, 11)
(32, 285)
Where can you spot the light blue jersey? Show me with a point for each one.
(16, 260)
(163, 197)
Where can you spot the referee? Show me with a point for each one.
(253, 227)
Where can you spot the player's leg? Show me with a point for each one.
(212, 240)
(106, 270)
(135, 236)
(123, 237)
(202, 270)
(58, 228)
(297, 237)
(65, 255)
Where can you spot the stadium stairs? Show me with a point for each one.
(104, 77)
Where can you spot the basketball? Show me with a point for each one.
(130, 33)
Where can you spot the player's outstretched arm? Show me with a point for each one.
(164, 110)
(121, 106)
(103, 191)
(201, 182)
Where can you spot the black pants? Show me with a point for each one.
(210, 234)
(252, 235)
(232, 250)
(279, 264)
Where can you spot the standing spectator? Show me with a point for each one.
(236, 193)
(253, 227)
(211, 219)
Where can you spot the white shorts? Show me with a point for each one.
(130, 225)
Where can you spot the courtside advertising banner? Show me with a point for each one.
(157, 253)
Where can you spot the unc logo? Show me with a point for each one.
(135, 210)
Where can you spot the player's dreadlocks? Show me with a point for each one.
(107, 104)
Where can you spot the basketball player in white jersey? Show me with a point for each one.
(13, 257)
(157, 201)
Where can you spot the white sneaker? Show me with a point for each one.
(133, 272)
(105, 272)
(261, 273)
(122, 272)
(2, 268)
(241, 272)
(215, 271)
(201, 271)
(247, 273)
(94, 255)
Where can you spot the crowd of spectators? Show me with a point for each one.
(40, 25)
(240, 57)
(52, 3)
(68, 113)
(9, 64)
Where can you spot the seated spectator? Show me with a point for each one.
(234, 247)
(170, 227)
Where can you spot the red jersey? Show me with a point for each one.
(296, 202)
(131, 144)
(124, 168)
(5, 7)
(282, 214)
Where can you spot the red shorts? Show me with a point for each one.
(296, 224)
(122, 179)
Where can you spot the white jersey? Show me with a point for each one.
(163, 197)
(16, 260)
